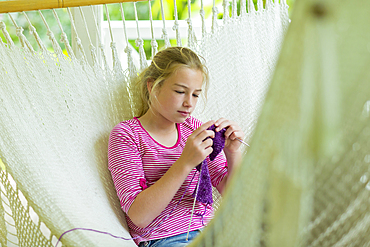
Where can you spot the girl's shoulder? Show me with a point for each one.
(129, 128)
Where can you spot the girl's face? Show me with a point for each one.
(177, 97)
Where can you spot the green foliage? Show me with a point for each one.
(182, 9)
(143, 10)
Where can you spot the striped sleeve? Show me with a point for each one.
(217, 168)
(125, 165)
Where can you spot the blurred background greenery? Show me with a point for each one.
(114, 13)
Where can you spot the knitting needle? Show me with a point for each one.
(242, 141)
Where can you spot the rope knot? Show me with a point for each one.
(32, 29)
(2, 25)
(19, 31)
(176, 26)
(190, 27)
(78, 41)
(92, 48)
(63, 37)
(202, 13)
(154, 43)
(215, 10)
(128, 50)
(164, 33)
(113, 45)
(50, 34)
(139, 42)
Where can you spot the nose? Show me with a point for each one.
(188, 101)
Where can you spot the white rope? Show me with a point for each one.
(251, 8)
(153, 43)
(140, 43)
(85, 25)
(176, 25)
(214, 17)
(78, 40)
(101, 46)
(234, 9)
(191, 35)
(49, 33)
(35, 34)
(243, 7)
(108, 19)
(164, 31)
(117, 67)
(25, 43)
(226, 5)
(6, 34)
(260, 5)
(124, 24)
(202, 15)
(91, 46)
(64, 38)
(269, 4)
(131, 66)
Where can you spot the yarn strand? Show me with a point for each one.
(192, 210)
(151, 230)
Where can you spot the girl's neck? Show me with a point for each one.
(156, 124)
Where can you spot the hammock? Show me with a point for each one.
(303, 182)
(57, 114)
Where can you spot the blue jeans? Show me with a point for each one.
(174, 241)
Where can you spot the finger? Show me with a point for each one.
(236, 134)
(207, 143)
(225, 124)
(230, 129)
(209, 150)
(203, 127)
(219, 122)
(205, 134)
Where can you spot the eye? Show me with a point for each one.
(179, 92)
(195, 95)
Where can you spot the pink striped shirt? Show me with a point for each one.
(137, 161)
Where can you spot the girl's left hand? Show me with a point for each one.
(233, 131)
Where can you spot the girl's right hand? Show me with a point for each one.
(198, 146)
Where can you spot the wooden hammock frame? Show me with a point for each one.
(28, 5)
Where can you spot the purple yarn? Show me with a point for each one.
(218, 142)
(204, 193)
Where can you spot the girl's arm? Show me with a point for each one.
(231, 150)
(152, 201)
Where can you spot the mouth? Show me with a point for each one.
(184, 113)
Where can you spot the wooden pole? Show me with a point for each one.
(28, 5)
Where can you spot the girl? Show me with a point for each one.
(152, 158)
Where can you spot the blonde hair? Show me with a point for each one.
(164, 64)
